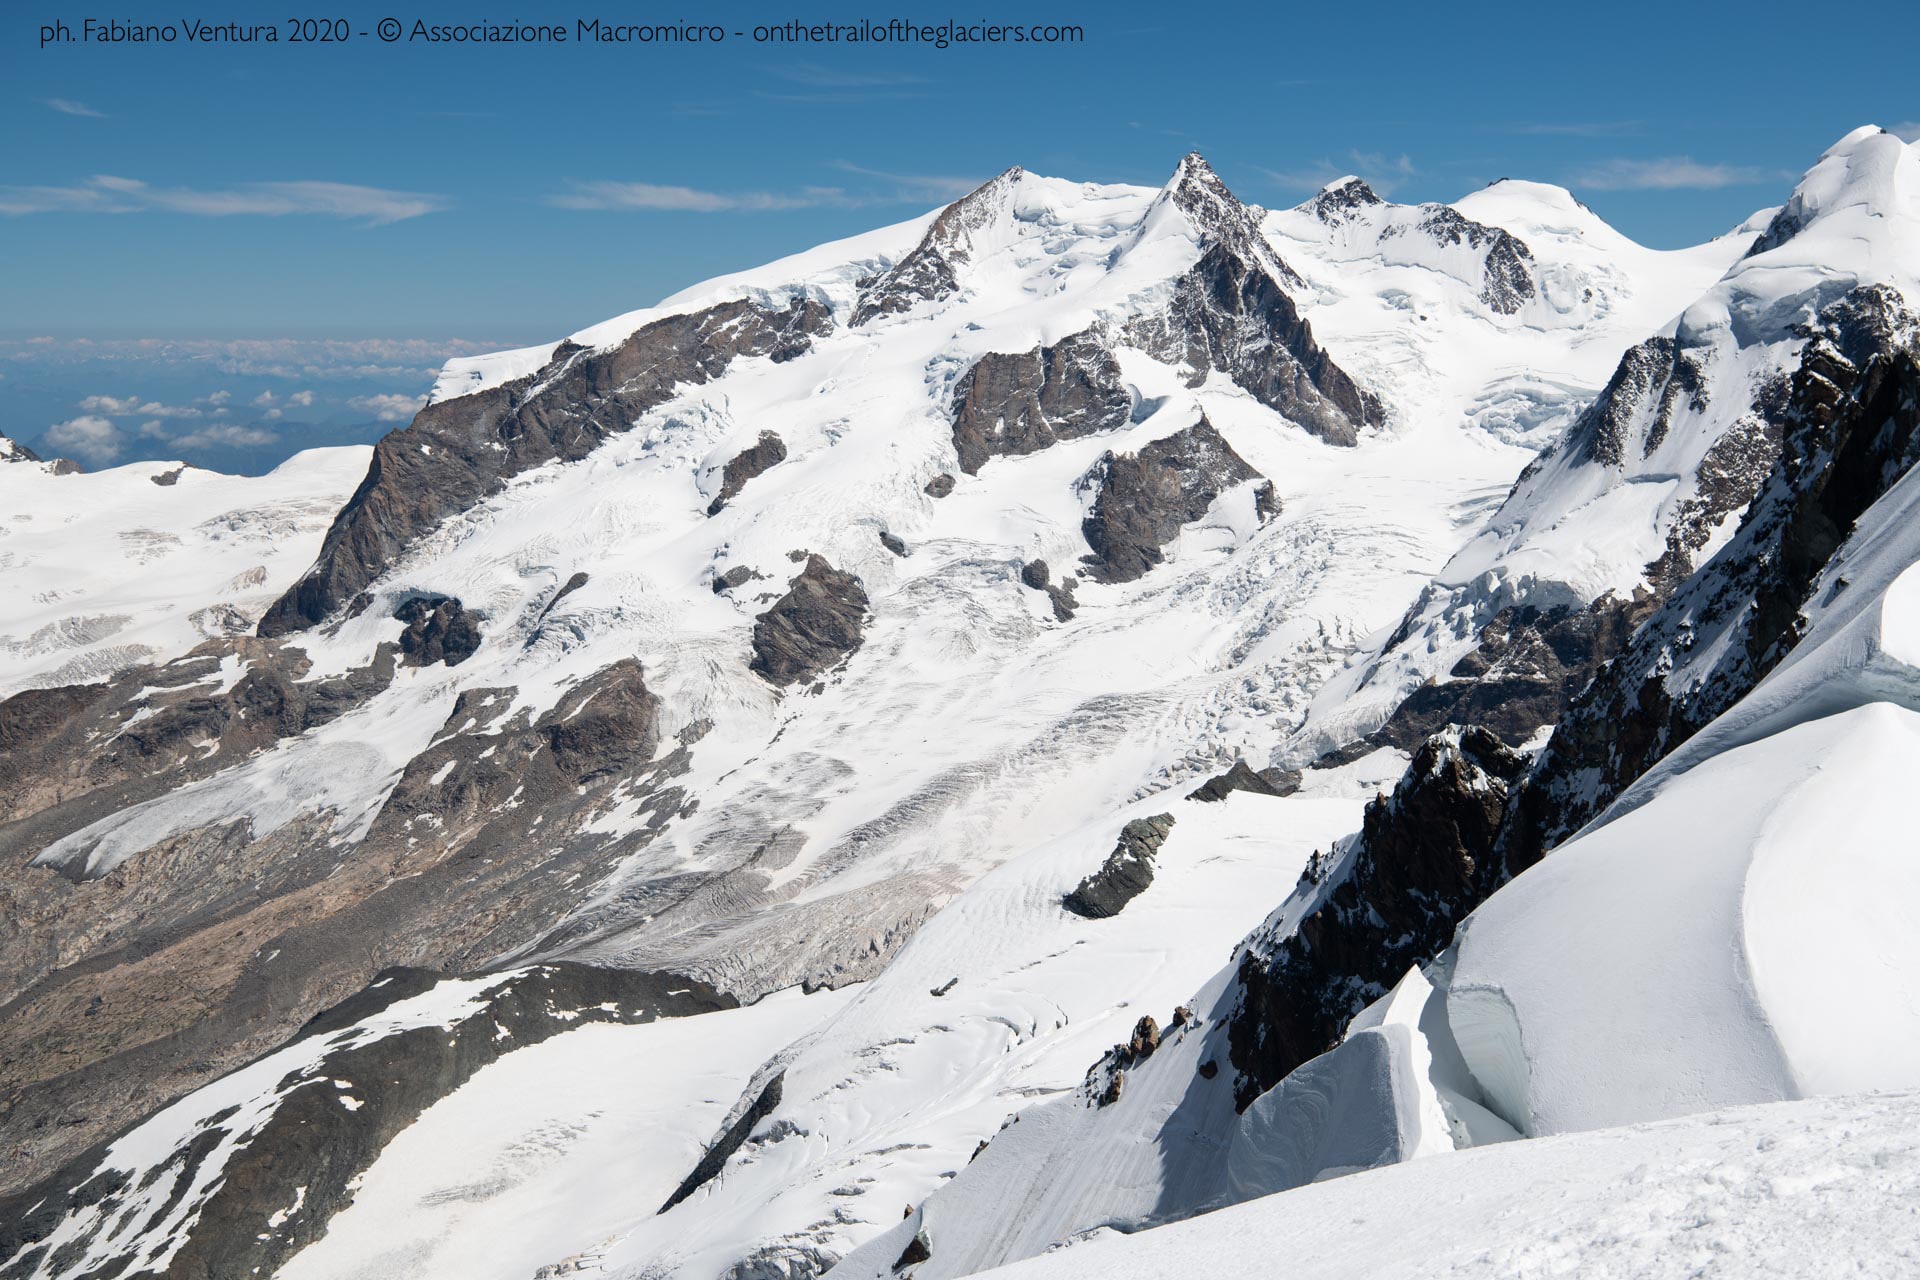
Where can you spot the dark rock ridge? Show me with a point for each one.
(811, 629)
(940, 486)
(928, 272)
(769, 451)
(1850, 427)
(1143, 499)
(738, 1129)
(1243, 777)
(1468, 815)
(289, 1173)
(457, 452)
(12, 450)
(1416, 868)
(439, 629)
(1231, 314)
(1017, 404)
(1507, 283)
(122, 988)
(1125, 874)
(894, 543)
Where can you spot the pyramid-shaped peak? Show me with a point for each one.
(1338, 200)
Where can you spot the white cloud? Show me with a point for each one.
(916, 186)
(389, 408)
(264, 399)
(228, 434)
(68, 107)
(300, 400)
(219, 397)
(91, 438)
(1672, 173)
(111, 404)
(131, 406)
(647, 195)
(104, 193)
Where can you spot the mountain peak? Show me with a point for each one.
(1338, 199)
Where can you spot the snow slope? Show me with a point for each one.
(107, 569)
(1665, 460)
(1825, 1188)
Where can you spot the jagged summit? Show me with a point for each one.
(1338, 199)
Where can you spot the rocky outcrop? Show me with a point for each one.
(1849, 424)
(439, 629)
(738, 576)
(814, 627)
(250, 1185)
(1019, 404)
(929, 272)
(894, 543)
(1526, 667)
(1126, 873)
(1231, 314)
(1243, 777)
(1036, 574)
(1417, 867)
(769, 451)
(1142, 500)
(457, 452)
(730, 1139)
(939, 487)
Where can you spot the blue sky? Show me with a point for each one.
(511, 194)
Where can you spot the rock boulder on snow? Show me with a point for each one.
(769, 451)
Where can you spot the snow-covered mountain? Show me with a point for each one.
(1042, 719)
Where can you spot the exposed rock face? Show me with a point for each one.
(1509, 283)
(812, 628)
(1526, 669)
(1338, 201)
(439, 629)
(1242, 777)
(1127, 871)
(1850, 420)
(1417, 867)
(1143, 499)
(738, 576)
(1017, 404)
(927, 273)
(12, 450)
(349, 1086)
(128, 983)
(1230, 314)
(1036, 575)
(738, 1129)
(940, 486)
(918, 1250)
(1469, 815)
(769, 451)
(459, 451)
(894, 544)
